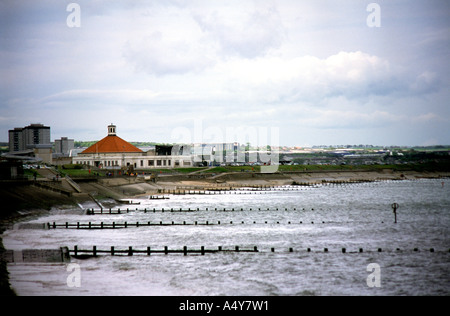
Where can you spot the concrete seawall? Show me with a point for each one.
(36, 255)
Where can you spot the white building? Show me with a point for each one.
(112, 152)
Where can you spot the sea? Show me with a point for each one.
(321, 240)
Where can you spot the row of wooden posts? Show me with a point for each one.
(148, 251)
(185, 251)
(207, 192)
(115, 225)
(254, 190)
(92, 211)
(263, 187)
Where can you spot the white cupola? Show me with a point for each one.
(112, 130)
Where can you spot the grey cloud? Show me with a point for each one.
(159, 55)
(244, 34)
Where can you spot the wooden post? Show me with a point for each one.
(237, 248)
(185, 250)
(94, 250)
(75, 250)
(112, 250)
(130, 251)
(166, 251)
(148, 251)
(394, 209)
(203, 250)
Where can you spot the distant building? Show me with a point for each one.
(209, 153)
(64, 146)
(31, 141)
(28, 137)
(112, 152)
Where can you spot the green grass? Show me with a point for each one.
(80, 173)
(419, 167)
(429, 166)
(223, 169)
(189, 170)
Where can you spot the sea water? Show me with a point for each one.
(290, 226)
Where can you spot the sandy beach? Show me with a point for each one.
(134, 188)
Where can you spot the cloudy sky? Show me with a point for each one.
(311, 72)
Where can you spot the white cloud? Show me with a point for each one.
(299, 65)
(312, 79)
(159, 54)
(247, 33)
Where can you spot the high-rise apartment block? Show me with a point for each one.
(23, 138)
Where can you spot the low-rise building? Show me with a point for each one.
(112, 152)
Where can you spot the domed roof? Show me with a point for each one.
(111, 144)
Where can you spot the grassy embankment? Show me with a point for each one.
(418, 167)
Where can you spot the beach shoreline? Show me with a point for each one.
(25, 201)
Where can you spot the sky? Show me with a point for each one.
(289, 72)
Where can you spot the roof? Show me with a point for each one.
(111, 144)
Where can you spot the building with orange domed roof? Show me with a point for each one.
(113, 152)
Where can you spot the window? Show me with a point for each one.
(142, 163)
(158, 162)
(151, 163)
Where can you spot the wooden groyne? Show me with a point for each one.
(118, 211)
(130, 251)
(64, 254)
(115, 225)
(148, 251)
